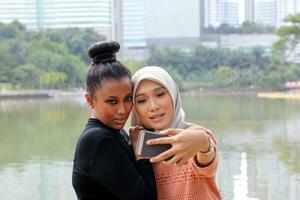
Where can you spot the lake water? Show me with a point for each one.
(259, 145)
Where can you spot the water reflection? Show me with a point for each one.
(259, 141)
(240, 181)
(36, 179)
(259, 144)
(39, 128)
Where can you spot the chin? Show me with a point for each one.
(157, 126)
(119, 126)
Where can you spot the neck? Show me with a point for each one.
(93, 114)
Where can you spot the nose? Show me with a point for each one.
(121, 109)
(153, 105)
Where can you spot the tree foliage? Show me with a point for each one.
(246, 27)
(47, 59)
(58, 59)
(207, 67)
(289, 35)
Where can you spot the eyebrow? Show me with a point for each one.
(117, 97)
(158, 88)
(111, 97)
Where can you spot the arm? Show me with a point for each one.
(113, 169)
(203, 159)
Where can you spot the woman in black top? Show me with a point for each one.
(105, 166)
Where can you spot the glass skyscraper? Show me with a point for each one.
(41, 14)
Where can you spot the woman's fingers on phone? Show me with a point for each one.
(163, 156)
(164, 140)
(171, 132)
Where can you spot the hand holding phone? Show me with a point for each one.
(148, 151)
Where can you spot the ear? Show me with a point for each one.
(89, 99)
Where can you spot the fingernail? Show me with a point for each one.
(148, 142)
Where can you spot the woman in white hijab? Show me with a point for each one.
(188, 169)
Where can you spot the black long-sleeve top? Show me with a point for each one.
(105, 167)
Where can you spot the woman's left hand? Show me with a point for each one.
(134, 134)
(186, 143)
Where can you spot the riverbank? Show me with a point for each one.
(260, 93)
(29, 94)
(39, 94)
(59, 94)
(220, 91)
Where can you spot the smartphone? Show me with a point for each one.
(148, 151)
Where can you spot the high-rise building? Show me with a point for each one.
(286, 7)
(41, 14)
(26, 11)
(134, 24)
(249, 10)
(222, 12)
(235, 12)
(170, 22)
(160, 21)
(116, 21)
(265, 12)
(273, 12)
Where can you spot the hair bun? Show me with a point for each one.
(102, 52)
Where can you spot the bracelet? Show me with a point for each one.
(211, 148)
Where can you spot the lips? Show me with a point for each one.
(120, 121)
(156, 118)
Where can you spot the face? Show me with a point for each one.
(153, 105)
(112, 102)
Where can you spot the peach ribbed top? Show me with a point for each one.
(188, 182)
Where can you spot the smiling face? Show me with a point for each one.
(154, 105)
(112, 102)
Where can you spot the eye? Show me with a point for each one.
(129, 98)
(161, 94)
(111, 101)
(140, 101)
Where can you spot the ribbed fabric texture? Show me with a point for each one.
(188, 182)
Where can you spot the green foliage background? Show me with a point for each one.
(48, 59)
(57, 59)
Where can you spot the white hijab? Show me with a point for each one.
(159, 75)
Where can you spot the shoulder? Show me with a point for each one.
(94, 134)
(91, 138)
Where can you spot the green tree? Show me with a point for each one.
(12, 31)
(134, 65)
(171, 58)
(252, 27)
(26, 55)
(226, 29)
(53, 79)
(76, 39)
(51, 56)
(289, 36)
(26, 75)
(224, 72)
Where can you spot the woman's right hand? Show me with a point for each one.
(186, 143)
